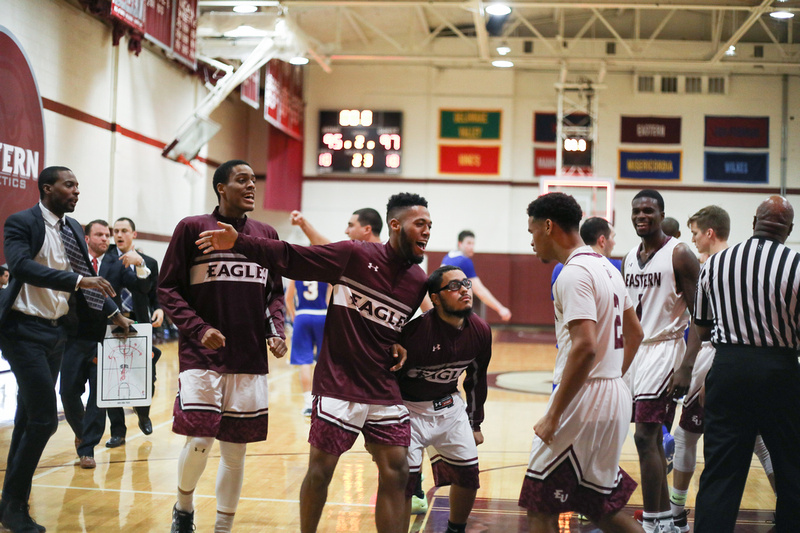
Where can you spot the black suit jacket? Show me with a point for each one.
(146, 301)
(24, 237)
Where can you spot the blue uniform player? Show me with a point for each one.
(307, 304)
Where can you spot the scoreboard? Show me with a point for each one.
(359, 141)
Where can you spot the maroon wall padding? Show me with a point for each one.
(520, 281)
(284, 185)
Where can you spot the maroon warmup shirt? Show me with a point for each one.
(375, 293)
(223, 290)
(437, 355)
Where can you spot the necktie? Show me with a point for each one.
(127, 301)
(94, 264)
(94, 298)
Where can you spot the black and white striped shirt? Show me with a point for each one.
(749, 293)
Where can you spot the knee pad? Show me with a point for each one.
(685, 450)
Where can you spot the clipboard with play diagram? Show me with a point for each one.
(124, 367)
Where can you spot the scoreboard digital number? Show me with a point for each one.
(359, 141)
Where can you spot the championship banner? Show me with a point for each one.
(650, 165)
(250, 88)
(131, 12)
(737, 132)
(650, 130)
(469, 124)
(21, 131)
(158, 22)
(736, 167)
(544, 162)
(283, 97)
(483, 160)
(185, 32)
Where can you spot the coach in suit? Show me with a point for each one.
(80, 355)
(48, 260)
(142, 306)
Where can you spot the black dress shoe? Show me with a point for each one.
(113, 442)
(145, 425)
(17, 519)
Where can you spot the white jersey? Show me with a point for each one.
(589, 287)
(652, 287)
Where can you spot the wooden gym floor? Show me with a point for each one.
(133, 487)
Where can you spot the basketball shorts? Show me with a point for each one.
(306, 338)
(443, 427)
(692, 414)
(335, 424)
(228, 407)
(579, 471)
(648, 378)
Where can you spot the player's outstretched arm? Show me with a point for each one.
(314, 236)
(486, 296)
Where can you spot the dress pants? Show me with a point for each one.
(749, 390)
(79, 366)
(33, 349)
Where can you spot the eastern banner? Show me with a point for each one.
(650, 165)
(737, 167)
(650, 130)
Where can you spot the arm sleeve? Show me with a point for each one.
(174, 284)
(20, 256)
(276, 304)
(308, 263)
(475, 386)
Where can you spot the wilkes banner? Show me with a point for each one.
(737, 167)
(650, 165)
(650, 130)
(737, 132)
(484, 160)
(21, 131)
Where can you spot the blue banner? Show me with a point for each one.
(737, 167)
(650, 165)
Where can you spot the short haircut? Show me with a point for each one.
(370, 217)
(223, 173)
(561, 208)
(671, 227)
(3, 270)
(401, 201)
(129, 221)
(651, 193)
(435, 280)
(87, 229)
(49, 176)
(465, 235)
(714, 217)
(593, 228)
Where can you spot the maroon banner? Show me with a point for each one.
(737, 132)
(250, 88)
(158, 22)
(185, 43)
(283, 97)
(131, 12)
(650, 130)
(284, 188)
(21, 131)
(463, 159)
(544, 162)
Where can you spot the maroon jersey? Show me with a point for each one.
(437, 355)
(223, 290)
(376, 291)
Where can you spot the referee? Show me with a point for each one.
(747, 296)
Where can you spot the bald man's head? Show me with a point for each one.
(774, 218)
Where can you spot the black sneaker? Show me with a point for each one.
(681, 521)
(182, 522)
(17, 519)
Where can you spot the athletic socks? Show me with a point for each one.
(677, 500)
(649, 522)
(456, 528)
(224, 523)
(185, 502)
(307, 400)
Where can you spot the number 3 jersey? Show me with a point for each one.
(310, 297)
(438, 353)
(590, 288)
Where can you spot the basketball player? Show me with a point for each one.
(574, 462)
(710, 228)
(661, 276)
(306, 305)
(442, 344)
(224, 306)
(377, 288)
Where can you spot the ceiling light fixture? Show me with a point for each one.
(781, 14)
(245, 8)
(502, 63)
(498, 9)
(503, 49)
(245, 31)
(731, 51)
(299, 60)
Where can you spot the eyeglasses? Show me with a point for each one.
(455, 285)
